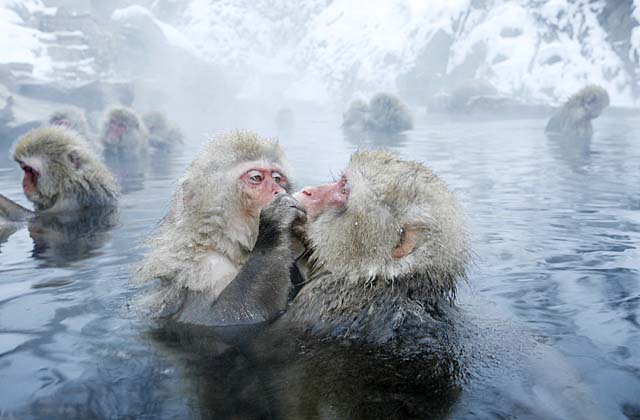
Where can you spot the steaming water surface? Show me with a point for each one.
(551, 309)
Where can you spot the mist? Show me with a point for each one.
(527, 111)
(224, 64)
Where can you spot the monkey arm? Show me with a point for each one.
(259, 293)
(260, 290)
(13, 211)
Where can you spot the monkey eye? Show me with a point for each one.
(28, 169)
(344, 189)
(255, 176)
(277, 178)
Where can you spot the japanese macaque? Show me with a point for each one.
(230, 221)
(70, 118)
(356, 116)
(386, 247)
(573, 120)
(385, 113)
(162, 135)
(123, 132)
(61, 173)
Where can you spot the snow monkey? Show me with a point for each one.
(123, 132)
(574, 118)
(385, 113)
(70, 118)
(230, 220)
(61, 173)
(386, 247)
(161, 134)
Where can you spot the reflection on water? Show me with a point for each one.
(377, 140)
(64, 238)
(548, 326)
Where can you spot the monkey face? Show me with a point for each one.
(36, 186)
(595, 104)
(385, 217)
(115, 131)
(317, 200)
(30, 180)
(262, 184)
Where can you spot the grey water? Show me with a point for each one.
(550, 311)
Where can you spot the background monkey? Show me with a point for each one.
(210, 236)
(385, 113)
(70, 118)
(574, 118)
(123, 132)
(386, 245)
(161, 134)
(61, 173)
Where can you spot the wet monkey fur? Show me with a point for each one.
(123, 133)
(223, 252)
(573, 120)
(386, 248)
(61, 173)
(162, 135)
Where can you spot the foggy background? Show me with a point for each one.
(219, 64)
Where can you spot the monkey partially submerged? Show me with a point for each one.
(573, 120)
(162, 135)
(61, 173)
(225, 226)
(123, 132)
(384, 113)
(70, 118)
(387, 246)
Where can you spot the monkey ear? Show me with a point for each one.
(74, 158)
(409, 236)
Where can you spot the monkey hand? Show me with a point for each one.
(278, 220)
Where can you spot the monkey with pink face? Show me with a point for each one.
(62, 173)
(124, 133)
(223, 252)
(386, 246)
(73, 193)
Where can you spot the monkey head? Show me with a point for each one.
(161, 133)
(594, 100)
(219, 199)
(357, 114)
(155, 122)
(589, 102)
(241, 170)
(59, 167)
(385, 218)
(119, 123)
(71, 119)
(388, 113)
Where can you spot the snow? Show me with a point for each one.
(537, 50)
(330, 50)
(139, 16)
(559, 48)
(371, 41)
(20, 44)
